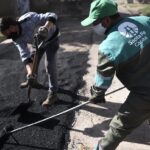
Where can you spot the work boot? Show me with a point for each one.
(30, 79)
(51, 98)
(24, 84)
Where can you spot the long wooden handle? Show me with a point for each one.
(34, 67)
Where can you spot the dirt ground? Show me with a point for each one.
(92, 121)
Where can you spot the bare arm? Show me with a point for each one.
(29, 67)
(49, 24)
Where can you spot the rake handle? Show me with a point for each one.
(59, 114)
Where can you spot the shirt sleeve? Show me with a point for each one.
(105, 72)
(23, 51)
(34, 20)
(40, 19)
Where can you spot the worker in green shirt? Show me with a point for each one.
(125, 51)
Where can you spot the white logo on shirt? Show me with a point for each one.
(128, 29)
(136, 36)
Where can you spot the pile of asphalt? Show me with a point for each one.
(14, 109)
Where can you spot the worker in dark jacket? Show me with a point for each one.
(22, 32)
(126, 52)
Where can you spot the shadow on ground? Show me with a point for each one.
(72, 65)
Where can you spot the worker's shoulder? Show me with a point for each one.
(139, 21)
(26, 16)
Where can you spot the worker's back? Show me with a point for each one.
(127, 45)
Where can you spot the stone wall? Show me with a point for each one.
(133, 1)
(142, 1)
(61, 7)
(23, 6)
(8, 7)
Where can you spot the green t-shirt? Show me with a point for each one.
(125, 50)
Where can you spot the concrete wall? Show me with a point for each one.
(8, 7)
(61, 7)
(133, 1)
(23, 6)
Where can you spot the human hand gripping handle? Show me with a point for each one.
(32, 80)
(43, 30)
(97, 95)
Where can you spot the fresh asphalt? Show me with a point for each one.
(14, 108)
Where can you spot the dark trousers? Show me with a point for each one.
(134, 111)
(50, 50)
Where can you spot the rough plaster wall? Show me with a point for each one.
(62, 7)
(133, 1)
(8, 7)
(23, 6)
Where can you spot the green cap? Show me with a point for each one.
(100, 9)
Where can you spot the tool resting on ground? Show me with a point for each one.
(9, 130)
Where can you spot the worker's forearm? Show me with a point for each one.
(49, 24)
(29, 67)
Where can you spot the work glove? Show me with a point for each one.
(97, 95)
(43, 32)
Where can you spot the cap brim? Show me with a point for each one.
(88, 21)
